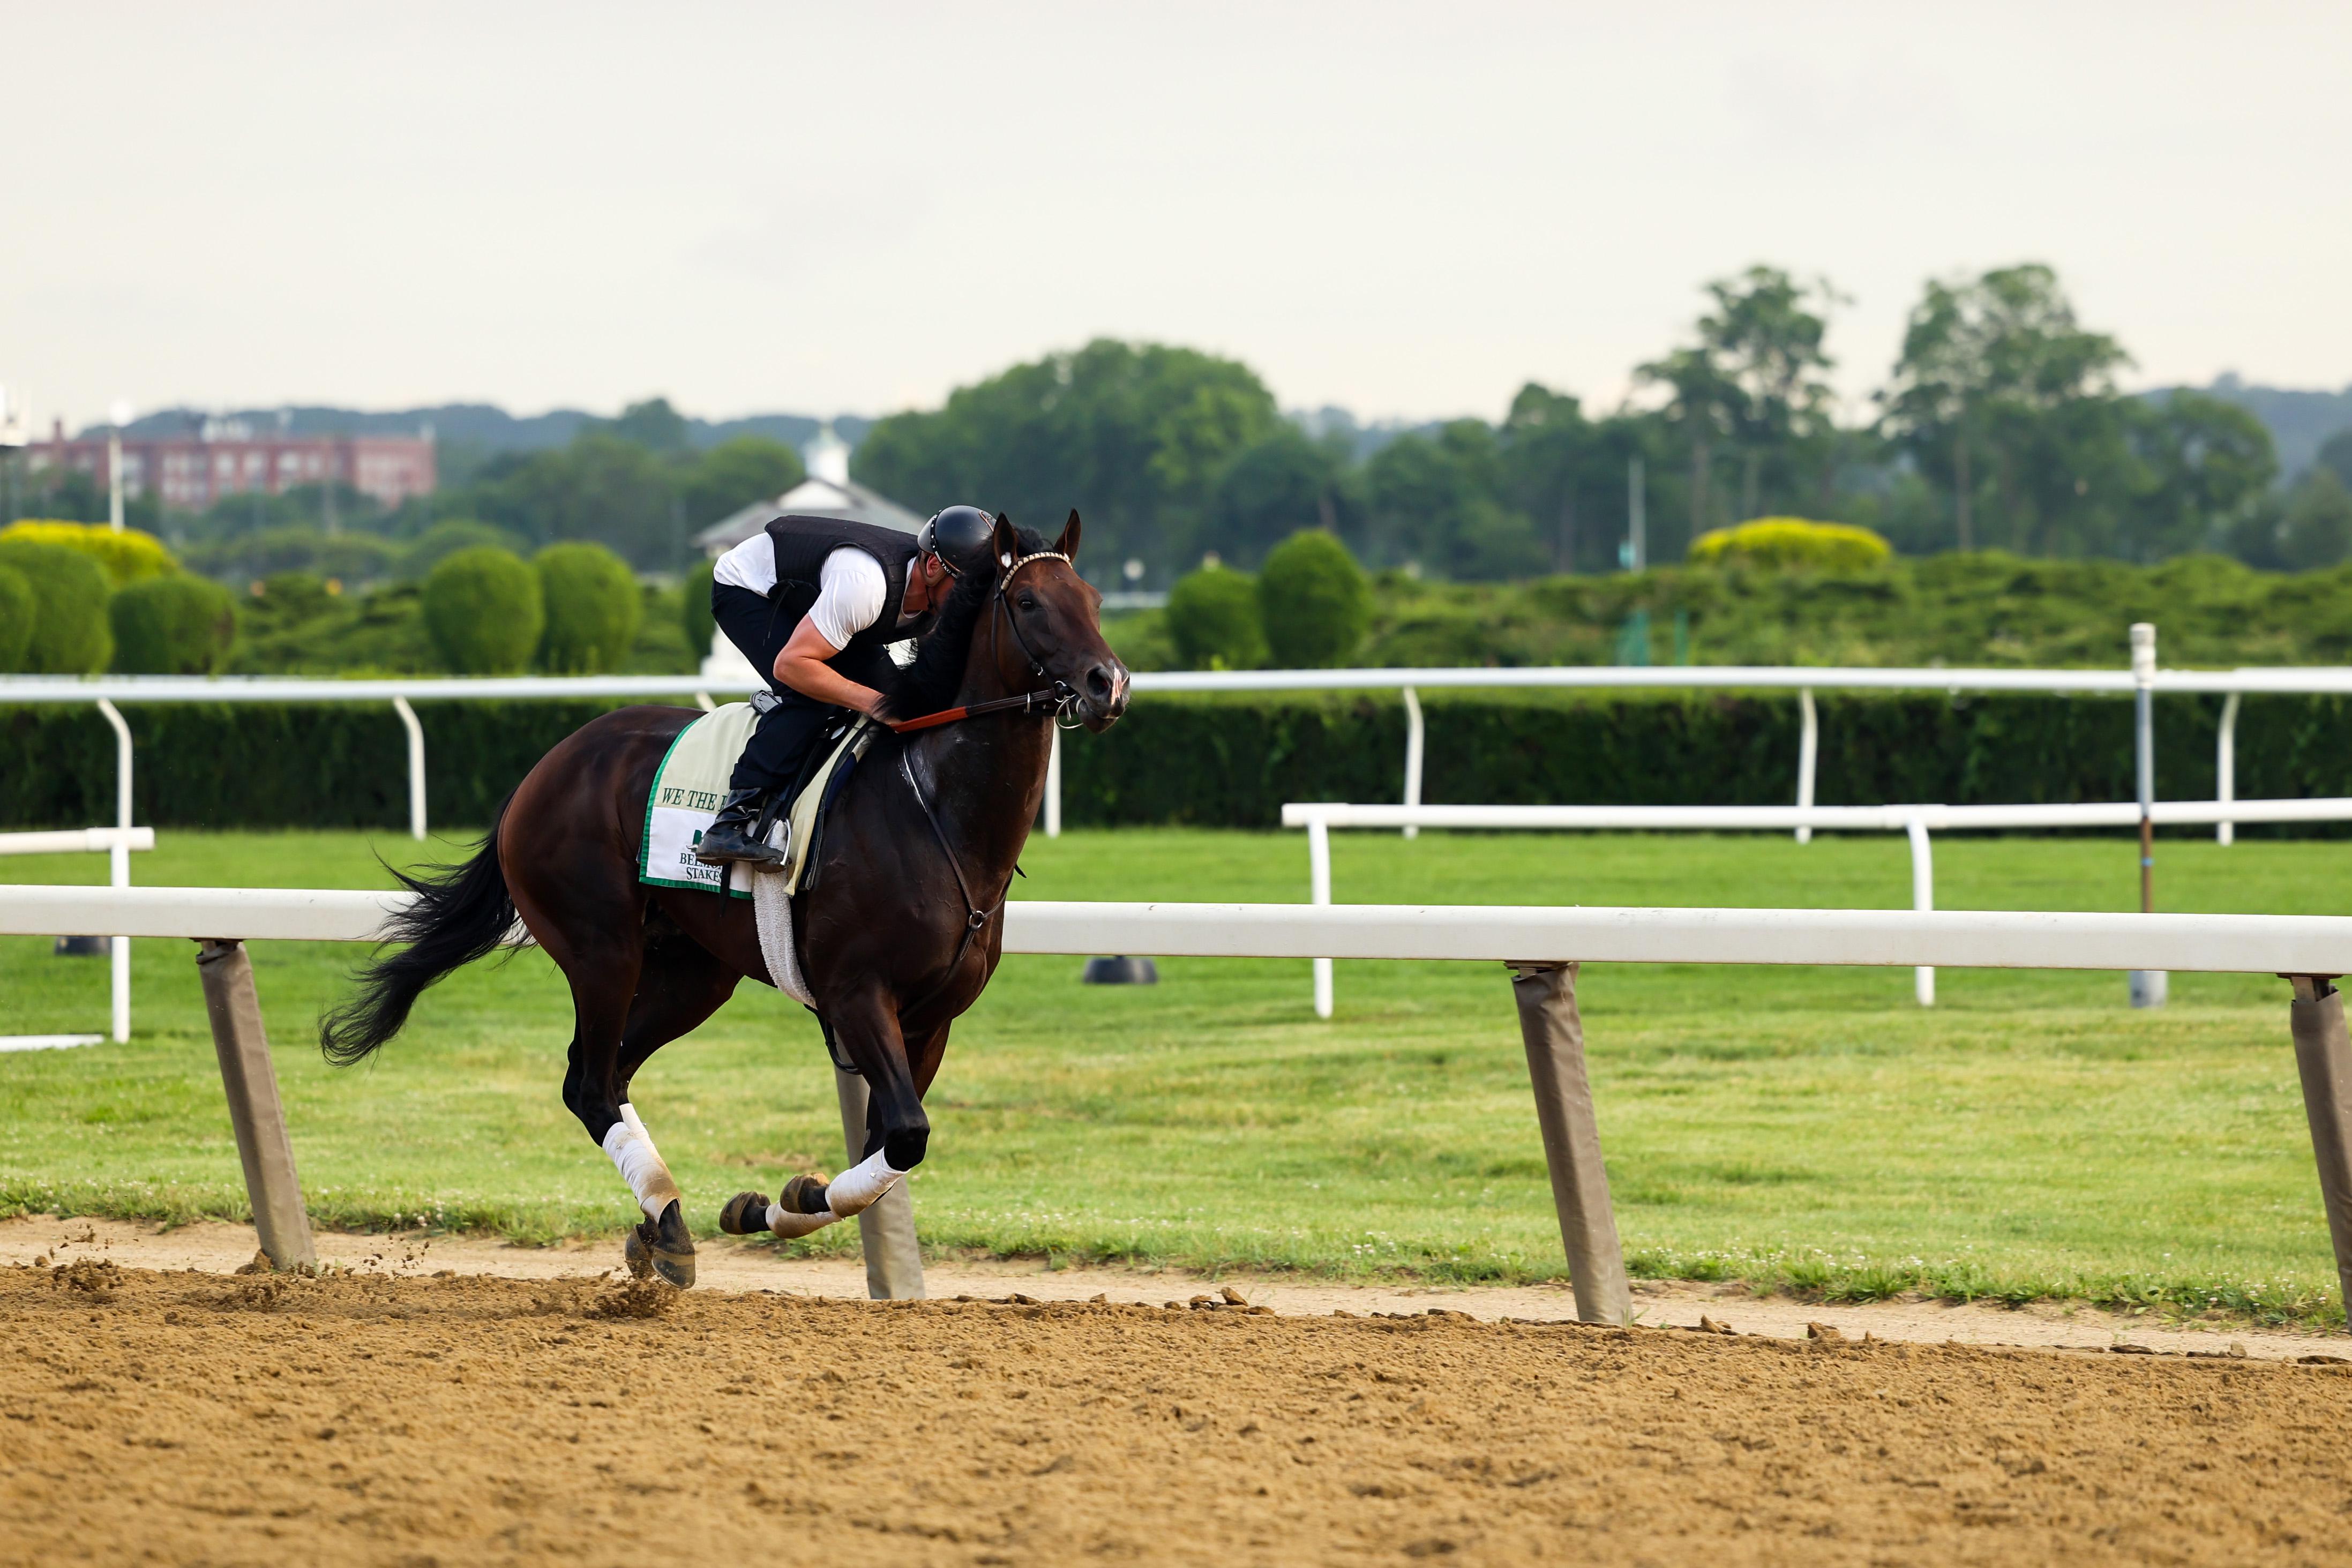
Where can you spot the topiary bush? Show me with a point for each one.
(447, 536)
(1786, 544)
(592, 608)
(483, 611)
(694, 615)
(1315, 602)
(16, 619)
(69, 635)
(178, 626)
(125, 556)
(1213, 618)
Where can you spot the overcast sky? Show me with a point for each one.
(1408, 210)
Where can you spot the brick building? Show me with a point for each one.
(224, 458)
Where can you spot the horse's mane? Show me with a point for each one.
(932, 681)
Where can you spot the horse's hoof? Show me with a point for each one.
(745, 1214)
(662, 1249)
(804, 1195)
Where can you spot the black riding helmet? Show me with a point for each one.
(960, 537)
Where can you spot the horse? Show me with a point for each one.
(897, 937)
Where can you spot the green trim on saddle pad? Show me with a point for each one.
(691, 784)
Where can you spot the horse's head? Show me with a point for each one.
(1055, 618)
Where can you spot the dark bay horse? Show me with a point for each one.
(896, 940)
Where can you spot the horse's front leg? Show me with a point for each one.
(898, 1133)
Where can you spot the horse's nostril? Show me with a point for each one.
(1098, 684)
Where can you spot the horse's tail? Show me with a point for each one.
(461, 913)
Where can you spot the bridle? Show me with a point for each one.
(1056, 699)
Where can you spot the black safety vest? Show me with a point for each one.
(802, 544)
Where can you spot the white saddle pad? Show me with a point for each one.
(772, 906)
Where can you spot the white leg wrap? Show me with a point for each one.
(789, 1225)
(640, 1165)
(856, 1188)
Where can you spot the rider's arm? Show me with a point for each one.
(850, 592)
(800, 666)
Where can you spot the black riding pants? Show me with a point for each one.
(772, 758)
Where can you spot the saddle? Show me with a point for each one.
(691, 782)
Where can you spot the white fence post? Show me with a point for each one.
(1319, 891)
(1809, 746)
(118, 948)
(416, 766)
(1413, 738)
(1923, 899)
(2225, 767)
(1054, 785)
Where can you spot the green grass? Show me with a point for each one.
(2030, 1136)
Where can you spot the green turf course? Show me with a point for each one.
(2030, 1136)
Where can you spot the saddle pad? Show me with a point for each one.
(689, 789)
(801, 820)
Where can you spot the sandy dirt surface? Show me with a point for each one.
(730, 1266)
(193, 1418)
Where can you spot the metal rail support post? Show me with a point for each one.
(2225, 767)
(2323, 1058)
(254, 1112)
(2147, 986)
(1414, 735)
(118, 866)
(1319, 891)
(1554, 1035)
(1809, 751)
(886, 1230)
(1054, 785)
(415, 767)
(1923, 899)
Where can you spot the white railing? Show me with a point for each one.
(1805, 680)
(1916, 822)
(116, 843)
(1542, 945)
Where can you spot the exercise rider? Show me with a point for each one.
(816, 602)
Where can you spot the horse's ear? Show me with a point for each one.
(1006, 545)
(1069, 543)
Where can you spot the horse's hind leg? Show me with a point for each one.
(678, 986)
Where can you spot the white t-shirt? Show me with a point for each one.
(851, 586)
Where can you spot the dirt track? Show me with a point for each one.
(188, 1418)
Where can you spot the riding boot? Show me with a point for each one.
(731, 837)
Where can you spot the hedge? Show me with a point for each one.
(1221, 762)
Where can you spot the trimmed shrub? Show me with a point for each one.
(1213, 618)
(1313, 601)
(483, 613)
(592, 608)
(129, 557)
(70, 632)
(176, 625)
(694, 616)
(447, 538)
(16, 619)
(1783, 544)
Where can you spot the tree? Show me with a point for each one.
(652, 424)
(1270, 491)
(2317, 530)
(593, 607)
(1754, 382)
(483, 611)
(735, 473)
(1314, 601)
(2336, 456)
(1213, 618)
(16, 618)
(2203, 465)
(1132, 434)
(1997, 374)
(602, 488)
(70, 634)
(176, 625)
(1436, 504)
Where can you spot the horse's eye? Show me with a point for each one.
(1027, 602)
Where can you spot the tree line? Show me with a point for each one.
(2000, 426)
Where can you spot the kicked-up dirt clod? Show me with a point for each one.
(369, 1419)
